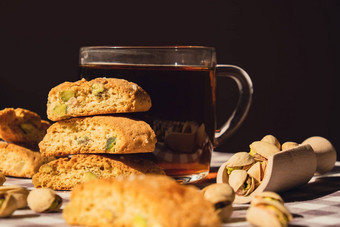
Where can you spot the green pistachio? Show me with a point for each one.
(97, 88)
(82, 139)
(110, 143)
(140, 221)
(66, 95)
(27, 127)
(60, 110)
(90, 176)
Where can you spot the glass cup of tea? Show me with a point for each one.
(181, 81)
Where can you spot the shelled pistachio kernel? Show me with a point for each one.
(27, 127)
(97, 88)
(44, 200)
(60, 110)
(66, 95)
(89, 176)
(110, 143)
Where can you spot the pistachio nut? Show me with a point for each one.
(19, 193)
(269, 195)
(7, 205)
(267, 212)
(2, 178)
(110, 143)
(66, 95)
(240, 160)
(272, 139)
(256, 172)
(241, 182)
(97, 88)
(44, 200)
(222, 196)
(262, 150)
(289, 145)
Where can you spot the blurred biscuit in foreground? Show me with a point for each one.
(146, 200)
(22, 127)
(18, 161)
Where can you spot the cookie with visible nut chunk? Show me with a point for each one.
(18, 161)
(98, 134)
(144, 200)
(96, 97)
(65, 173)
(22, 127)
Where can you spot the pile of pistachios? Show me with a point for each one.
(14, 197)
(244, 171)
(267, 209)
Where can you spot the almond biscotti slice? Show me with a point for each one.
(18, 161)
(146, 200)
(65, 173)
(98, 134)
(96, 97)
(22, 127)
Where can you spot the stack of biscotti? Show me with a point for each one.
(21, 130)
(94, 140)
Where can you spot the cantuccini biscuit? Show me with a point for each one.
(98, 134)
(18, 161)
(22, 126)
(65, 173)
(96, 97)
(146, 200)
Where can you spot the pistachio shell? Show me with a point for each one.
(255, 171)
(273, 140)
(264, 149)
(263, 168)
(41, 199)
(18, 192)
(225, 213)
(289, 145)
(240, 159)
(219, 192)
(259, 216)
(277, 204)
(222, 196)
(266, 195)
(251, 188)
(8, 206)
(237, 179)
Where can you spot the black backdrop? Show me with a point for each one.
(289, 48)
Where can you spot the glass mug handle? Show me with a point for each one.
(245, 88)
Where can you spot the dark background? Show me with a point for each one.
(289, 48)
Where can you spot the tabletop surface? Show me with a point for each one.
(314, 204)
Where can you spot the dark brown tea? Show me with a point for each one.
(182, 113)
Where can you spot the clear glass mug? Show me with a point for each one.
(181, 81)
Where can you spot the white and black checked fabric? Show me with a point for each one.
(314, 204)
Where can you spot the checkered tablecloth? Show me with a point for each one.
(314, 204)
